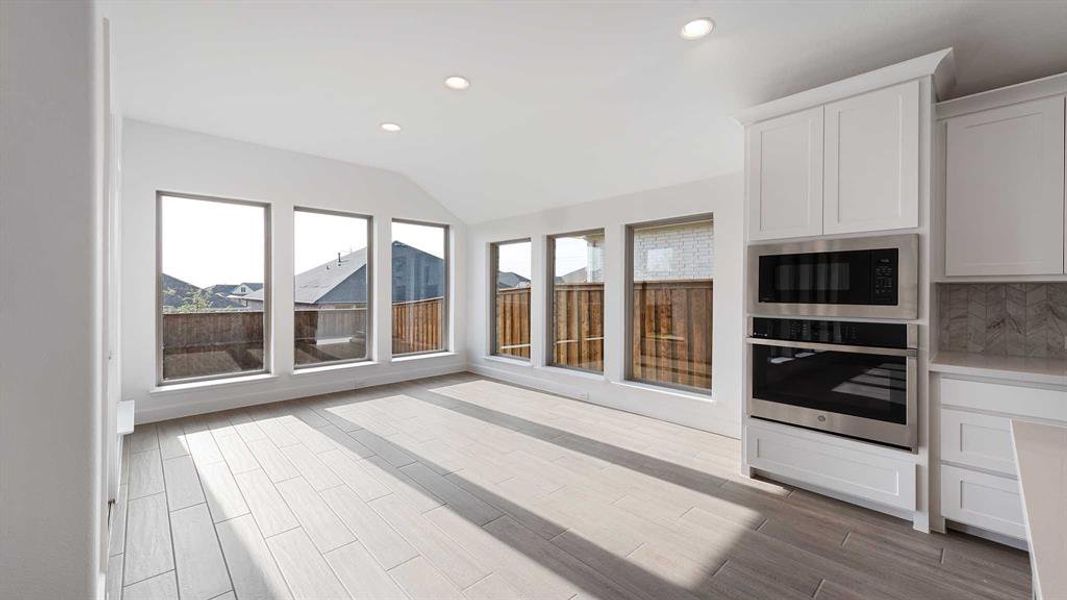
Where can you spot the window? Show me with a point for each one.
(213, 288)
(331, 291)
(510, 267)
(576, 301)
(671, 273)
(420, 284)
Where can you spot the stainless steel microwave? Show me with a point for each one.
(875, 277)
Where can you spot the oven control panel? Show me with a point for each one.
(851, 333)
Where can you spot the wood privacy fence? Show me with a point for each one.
(182, 329)
(578, 325)
(672, 326)
(316, 324)
(671, 323)
(513, 322)
(191, 329)
(419, 326)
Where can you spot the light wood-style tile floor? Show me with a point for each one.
(464, 487)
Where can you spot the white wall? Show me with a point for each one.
(157, 158)
(51, 466)
(722, 196)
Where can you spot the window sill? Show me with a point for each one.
(648, 387)
(329, 368)
(411, 357)
(214, 383)
(518, 362)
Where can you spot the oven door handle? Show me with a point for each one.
(908, 352)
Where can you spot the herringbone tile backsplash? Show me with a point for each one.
(1004, 319)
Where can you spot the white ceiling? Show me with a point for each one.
(570, 102)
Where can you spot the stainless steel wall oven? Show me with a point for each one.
(857, 379)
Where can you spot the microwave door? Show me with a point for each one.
(856, 277)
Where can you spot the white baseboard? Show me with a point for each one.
(601, 393)
(148, 413)
(988, 535)
(560, 389)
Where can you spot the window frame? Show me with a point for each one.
(550, 298)
(370, 288)
(494, 261)
(268, 289)
(446, 291)
(628, 303)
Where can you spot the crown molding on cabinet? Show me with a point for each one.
(1053, 85)
(940, 65)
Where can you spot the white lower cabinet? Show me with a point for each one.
(977, 440)
(881, 475)
(982, 500)
(979, 485)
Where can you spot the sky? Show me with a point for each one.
(206, 243)
(571, 255)
(319, 237)
(516, 257)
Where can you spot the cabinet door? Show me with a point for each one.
(1004, 191)
(785, 176)
(872, 161)
(982, 500)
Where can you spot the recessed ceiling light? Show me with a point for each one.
(697, 28)
(390, 127)
(456, 82)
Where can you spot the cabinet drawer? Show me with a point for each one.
(834, 464)
(981, 500)
(976, 440)
(1018, 400)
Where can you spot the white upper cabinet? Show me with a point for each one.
(785, 171)
(872, 161)
(1005, 190)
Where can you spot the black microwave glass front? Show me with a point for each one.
(867, 277)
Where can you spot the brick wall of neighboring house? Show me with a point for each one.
(671, 252)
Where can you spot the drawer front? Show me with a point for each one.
(977, 440)
(833, 467)
(981, 500)
(1018, 400)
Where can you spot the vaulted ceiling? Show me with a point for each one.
(570, 102)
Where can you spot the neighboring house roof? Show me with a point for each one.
(329, 283)
(581, 276)
(177, 292)
(417, 275)
(228, 289)
(507, 280)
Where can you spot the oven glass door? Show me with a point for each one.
(872, 386)
(828, 277)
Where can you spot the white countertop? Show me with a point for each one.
(1041, 454)
(1050, 371)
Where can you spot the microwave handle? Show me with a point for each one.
(908, 352)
